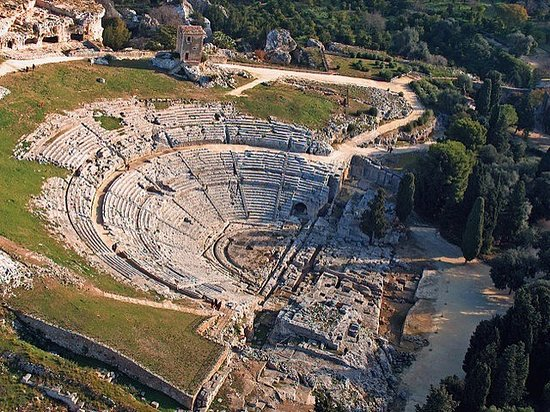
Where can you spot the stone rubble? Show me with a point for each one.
(13, 275)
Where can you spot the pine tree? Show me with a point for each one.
(405, 197)
(468, 131)
(476, 388)
(473, 233)
(483, 98)
(438, 400)
(512, 267)
(373, 221)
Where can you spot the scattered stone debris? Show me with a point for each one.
(4, 91)
(13, 275)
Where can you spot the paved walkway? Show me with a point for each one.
(466, 296)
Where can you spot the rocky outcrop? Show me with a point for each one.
(199, 5)
(315, 43)
(165, 61)
(13, 275)
(110, 10)
(148, 25)
(279, 45)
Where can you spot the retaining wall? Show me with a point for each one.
(363, 168)
(86, 346)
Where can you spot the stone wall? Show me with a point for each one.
(85, 346)
(364, 169)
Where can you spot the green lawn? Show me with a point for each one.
(288, 103)
(110, 122)
(403, 162)
(165, 341)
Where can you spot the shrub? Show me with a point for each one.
(116, 35)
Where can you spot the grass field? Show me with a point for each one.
(165, 341)
(345, 68)
(110, 122)
(288, 104)
(403, 162)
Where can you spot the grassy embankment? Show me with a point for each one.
(165, 341)
(72, 376)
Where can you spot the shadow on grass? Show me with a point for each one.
(142, 64)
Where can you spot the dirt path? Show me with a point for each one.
(266, 74)
(465, 297)
(351, 147)
(165, 304)
(11, 66)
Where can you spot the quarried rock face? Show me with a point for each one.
(31, 23)
(279, 44)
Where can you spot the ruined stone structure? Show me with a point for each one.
(184, 197)
(332, 310)
(35, 22)
(364, 170)
(192, 199)
(189, 44)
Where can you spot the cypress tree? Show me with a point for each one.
(515, 216)
(373, 220)
(496, 88)
(405, 197)
(473, 233)
(476, 388)
(512, 371)
(483, 98)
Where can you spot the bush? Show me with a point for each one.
(166, 36)
(386, 74)
(116, 35)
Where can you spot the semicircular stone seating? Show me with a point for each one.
(147, 201)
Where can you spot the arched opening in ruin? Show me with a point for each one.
(299, 209)
(10, 44)
(32, 40)
(186, 56)
(77, 36)
(51, 39)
